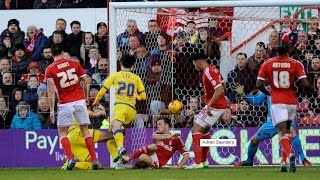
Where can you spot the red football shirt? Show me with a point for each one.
(66, 75)
(212, 79)
(167, 147)
(282, 72)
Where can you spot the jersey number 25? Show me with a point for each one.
(68, 77)
(281, 79)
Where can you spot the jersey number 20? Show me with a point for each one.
(281, 79)
(128, 87)
(68, 77)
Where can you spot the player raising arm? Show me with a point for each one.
(65, 75)
(216, 105)
(164, 145)
(281, 73)
(128, 89)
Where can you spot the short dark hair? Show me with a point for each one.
(56, 50)
(242, 53)
(75, 22)
(127, 60)
(61, 19)
(200, 56)
(282, 49)
(191, 22)
(141, 165)
(45, 47)
(166, 120)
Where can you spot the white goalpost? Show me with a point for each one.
(243, 24)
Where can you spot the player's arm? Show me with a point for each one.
(261, 86)
(103, 90)
(159, 137)
(86, 81)
(141, 91)
(184, 160)
(219, 91)
(305, 82)
(51, 96)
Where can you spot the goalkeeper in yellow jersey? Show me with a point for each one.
(128, 89)
(78, 145)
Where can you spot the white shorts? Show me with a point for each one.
(204, 120)
(155, 161)
(67, 112)
(283, 112)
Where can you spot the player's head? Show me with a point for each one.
(127, 60)
(282, 49)
(163, 125)
(56, 50)
(200, 61)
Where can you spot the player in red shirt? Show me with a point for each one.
(165, 144)
(281, 72)
(65, 76)
(216, 105)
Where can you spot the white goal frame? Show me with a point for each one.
(113, 6)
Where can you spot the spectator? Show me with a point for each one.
(161, 46)
(101, 37)
(6, 114)
(190, 113)
(33, 69)
(6, 46)
(88, 44)
(258, 58)
(42, 90)
(34, 42)
(151, 36)
(8, 83)
(314, 26)
(273, 42)
(61, 25)
(15, 31)
(30, 95)
(5, 65)
(43, 113)
(20, 61)
(228, 121)
(211, 46)
(75, 39)
(58, 37)
(242, 75)
(15, 98)
(214, 30)
(132, 29)
(101, 73)
(143, 61)
(24, 118)
(190, 29)
(46, 60)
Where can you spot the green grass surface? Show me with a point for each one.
(245, 173)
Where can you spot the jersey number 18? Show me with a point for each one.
(281, 79)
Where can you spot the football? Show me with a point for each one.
(175, 107)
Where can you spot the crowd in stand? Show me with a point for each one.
(163, 62)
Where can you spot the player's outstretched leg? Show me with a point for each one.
(196, 136)
(296, 144)
(285, 143)
(119, 138)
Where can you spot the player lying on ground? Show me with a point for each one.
(268, 131)
(79, 149)
(128, 89)
(164, 145)
(216, 105)
(281, 72)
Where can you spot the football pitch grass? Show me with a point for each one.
(232, 173)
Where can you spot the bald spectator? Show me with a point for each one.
(132, 29)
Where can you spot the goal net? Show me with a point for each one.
(238, 36)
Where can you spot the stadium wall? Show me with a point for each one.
(41, 148)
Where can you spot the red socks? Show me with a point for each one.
(137, 153)
(205, 150)
(90, 145)
(285, 143)
(66, 146)
(196, 147)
